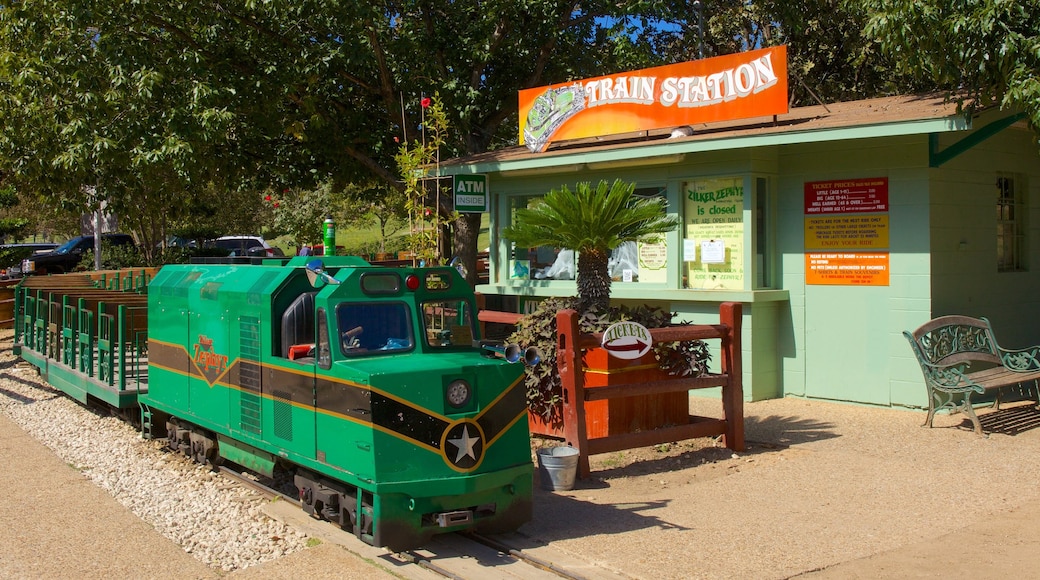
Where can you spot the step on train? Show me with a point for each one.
(370, 384)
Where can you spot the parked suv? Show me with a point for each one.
(67, 256)
(13, 254)
(254, 246)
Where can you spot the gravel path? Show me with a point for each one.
(844, 490)
(218, 522)
(820, 484)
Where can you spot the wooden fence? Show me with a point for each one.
(570, 346)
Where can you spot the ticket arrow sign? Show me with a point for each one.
(627, 340)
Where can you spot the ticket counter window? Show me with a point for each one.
(554, 263)
(540, 262)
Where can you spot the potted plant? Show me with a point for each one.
(593, 222)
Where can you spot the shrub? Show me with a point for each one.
(113, 257)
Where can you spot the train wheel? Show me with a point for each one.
(174, 436)
(203, 448)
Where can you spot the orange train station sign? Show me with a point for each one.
(733, 86)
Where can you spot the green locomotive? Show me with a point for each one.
(370, 382)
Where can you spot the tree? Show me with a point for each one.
(592, 222)
(829, 57)
(124, 95)
(388, 208)
(10, 225)
(981, 52)
(153, 103)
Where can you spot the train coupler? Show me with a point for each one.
(455, 518)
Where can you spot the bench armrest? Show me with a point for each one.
(950, 378)
(1022, 360)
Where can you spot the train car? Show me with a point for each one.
(370, 383)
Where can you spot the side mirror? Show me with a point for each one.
(317, 275)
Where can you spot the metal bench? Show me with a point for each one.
(948, 346)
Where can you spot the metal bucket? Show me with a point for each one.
(557, 467)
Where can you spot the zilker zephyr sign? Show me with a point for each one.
(734, 86)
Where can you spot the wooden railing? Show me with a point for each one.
(570, 345)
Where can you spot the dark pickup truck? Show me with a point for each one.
(67, 256)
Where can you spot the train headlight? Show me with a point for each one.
(458, 393)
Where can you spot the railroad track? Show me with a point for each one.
(463, 556)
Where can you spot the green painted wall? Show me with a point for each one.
(840, 342)
(964, 272)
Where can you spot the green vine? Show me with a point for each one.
(419, 164)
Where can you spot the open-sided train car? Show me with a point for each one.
(369, 382)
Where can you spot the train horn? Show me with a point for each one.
(513, 353)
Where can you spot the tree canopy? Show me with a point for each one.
(165, 106)
(150, 102)
(981, 52)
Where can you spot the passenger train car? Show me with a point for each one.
(370, 383)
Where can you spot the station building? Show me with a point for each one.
(837, 226)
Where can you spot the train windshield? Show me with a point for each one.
(448, 323)
(374, 328)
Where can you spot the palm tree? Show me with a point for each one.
(592, 222)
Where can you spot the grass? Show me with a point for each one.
(356, 236)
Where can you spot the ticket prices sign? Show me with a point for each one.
(471, 193)
(846, 196)
(653, 262)
(854, 268)
(733, 86)
(842, 216)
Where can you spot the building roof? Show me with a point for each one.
(882, 117)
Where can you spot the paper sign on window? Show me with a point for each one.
(713, 252)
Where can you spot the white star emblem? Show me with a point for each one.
(465, 445)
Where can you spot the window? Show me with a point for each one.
(374, 327)
(713, 251)
(1011, 213)
(448, 323)
(629, 262)
(542, 262)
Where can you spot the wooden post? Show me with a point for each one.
(568, 361)
(481, 303)
(733, 393)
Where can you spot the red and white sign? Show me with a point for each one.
(846, 196)
(627, 340)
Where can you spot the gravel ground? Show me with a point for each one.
(824, 489)
(820, 484)
(216, 521)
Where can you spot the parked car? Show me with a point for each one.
(13, 254)
(254, 246)
(67, 256)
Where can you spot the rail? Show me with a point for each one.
(570, 345)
